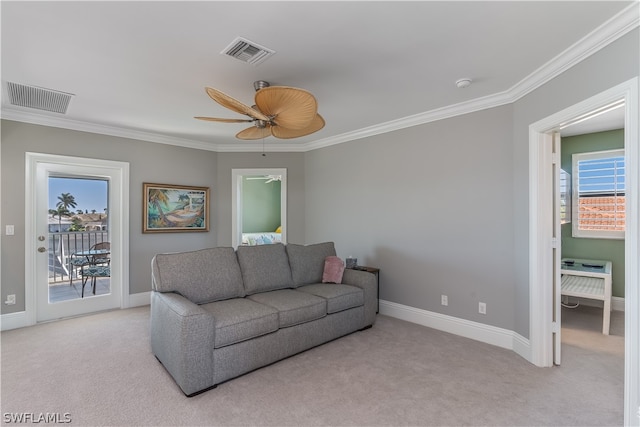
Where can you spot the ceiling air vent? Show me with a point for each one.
(247, 51)
(38, 98)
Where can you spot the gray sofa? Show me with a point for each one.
(218, 313)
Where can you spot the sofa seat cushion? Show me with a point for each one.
(339, 297)
(307, 262)
(264, 268)
(241, 319)
(293, 307)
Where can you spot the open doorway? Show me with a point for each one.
(259, 206)
(542, 269)
(593, 249)
(593, 231)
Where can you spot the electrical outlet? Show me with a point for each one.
(9, 230)
(482, 308)
(444, 300)
(11, 299)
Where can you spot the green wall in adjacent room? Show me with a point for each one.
(260, 205)
(585, 248)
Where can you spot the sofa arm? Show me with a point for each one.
(182, 338)
(366, 281)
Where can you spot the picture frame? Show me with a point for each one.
(169, 208)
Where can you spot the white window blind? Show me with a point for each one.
(599, 194)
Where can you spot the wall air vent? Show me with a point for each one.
(247, 51)
(38, 98)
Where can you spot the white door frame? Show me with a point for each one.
(540, 235)
(119, 223)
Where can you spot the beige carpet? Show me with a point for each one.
(99, 370)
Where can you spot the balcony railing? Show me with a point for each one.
(63, 244)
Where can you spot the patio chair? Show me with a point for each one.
(78, 260)
(94, 271)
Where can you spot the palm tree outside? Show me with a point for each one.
(65, 201)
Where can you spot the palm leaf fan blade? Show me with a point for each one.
(233, 104)
(254, 132)
(289, 107)
(283, 133)
(216, 119)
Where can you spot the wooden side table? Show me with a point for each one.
(375, 271)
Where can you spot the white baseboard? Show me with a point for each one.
(139, 299)
(477, 331)
(14, 320)
(20, 319)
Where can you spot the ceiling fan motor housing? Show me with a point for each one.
(260, 84)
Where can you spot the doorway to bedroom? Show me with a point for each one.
(544, 274)
(259, 206)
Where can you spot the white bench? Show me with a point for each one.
(590, 279)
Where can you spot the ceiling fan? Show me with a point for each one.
(267, 178)
(282, 111)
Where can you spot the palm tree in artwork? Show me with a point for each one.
(184, 199)
(157, 198)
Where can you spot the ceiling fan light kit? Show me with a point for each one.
(280, 111)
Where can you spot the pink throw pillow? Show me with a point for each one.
(333, 270)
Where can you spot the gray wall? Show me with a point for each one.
(148, 162)
(431, 206)
(443, 208)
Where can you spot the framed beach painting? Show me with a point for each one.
(174, 208)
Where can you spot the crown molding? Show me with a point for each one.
(9, 113)
(415, 120)
(616, 27)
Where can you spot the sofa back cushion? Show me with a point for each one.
(201, 276)
(264, 268)
(307, 262)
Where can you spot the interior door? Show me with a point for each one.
(46, 246)
(556, 250)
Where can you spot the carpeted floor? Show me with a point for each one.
(100, 371)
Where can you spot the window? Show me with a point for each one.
(565, 197)
(599, 194)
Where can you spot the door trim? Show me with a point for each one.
(540, 300)
(122, 229)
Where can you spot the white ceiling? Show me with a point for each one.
(138, 69)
